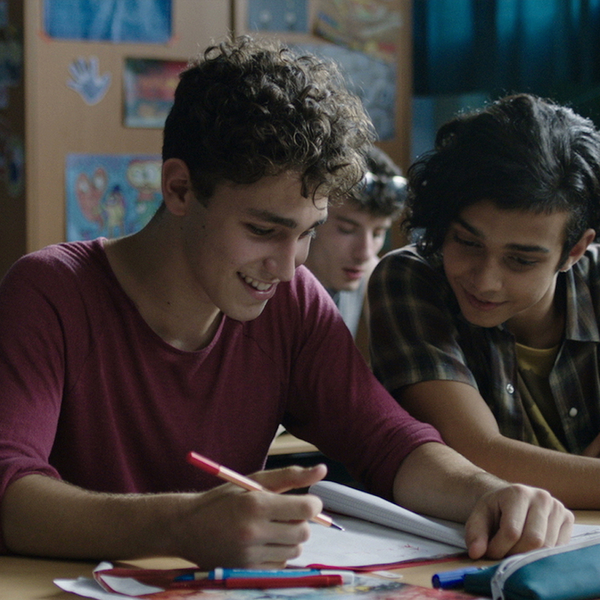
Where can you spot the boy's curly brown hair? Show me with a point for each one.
(246, 109)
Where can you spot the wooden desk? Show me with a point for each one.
(32, 579)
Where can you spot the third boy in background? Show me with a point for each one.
(346, 247)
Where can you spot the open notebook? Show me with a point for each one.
(379, 534)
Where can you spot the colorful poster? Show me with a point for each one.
(110, 195)
(371, 26)
(148, 90)
(144, 21)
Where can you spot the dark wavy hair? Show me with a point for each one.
(246, 109)
(520, 152)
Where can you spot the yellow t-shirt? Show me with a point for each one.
(534, 366)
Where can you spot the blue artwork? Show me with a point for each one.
(111, 195)
(87, 81)
(278, 15)
(145, 21)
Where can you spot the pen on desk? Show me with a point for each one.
(321, 579)
(220, 574)
(451, 579)
(248, 484)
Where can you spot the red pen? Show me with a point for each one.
(248, 484)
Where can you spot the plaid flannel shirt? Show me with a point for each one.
(419, 334)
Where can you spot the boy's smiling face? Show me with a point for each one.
(246, 240)
(502, 264)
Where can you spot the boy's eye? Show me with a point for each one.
(258, 230)
(523, 262)
(465, 242)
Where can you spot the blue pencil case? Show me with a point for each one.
(569, 572)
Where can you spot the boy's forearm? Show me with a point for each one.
(46, 517)
(573, 479)
(224, 526)
(467, 424)
(436, 480)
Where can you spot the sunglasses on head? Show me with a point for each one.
(395, 185)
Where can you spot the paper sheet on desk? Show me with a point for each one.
(364, 544)
(87, 588)
(377, 532)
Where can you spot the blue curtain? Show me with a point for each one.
(547, 47)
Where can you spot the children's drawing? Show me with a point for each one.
(87, 81)
(110, 195)
(148, 90)
(278, 15)
(371, 26)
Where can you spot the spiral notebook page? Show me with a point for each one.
(367, 545)
(362, 505)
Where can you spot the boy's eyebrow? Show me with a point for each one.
(469, 228)
(519, 247)
(269, 217)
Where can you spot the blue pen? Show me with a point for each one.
(451, 579)
(219, 574)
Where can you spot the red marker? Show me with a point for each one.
(244, 482)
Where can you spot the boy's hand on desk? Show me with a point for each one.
(516, 518)
(231, 527)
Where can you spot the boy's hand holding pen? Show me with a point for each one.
(244, 482)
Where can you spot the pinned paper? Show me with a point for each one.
(87, 81)
(110, 195)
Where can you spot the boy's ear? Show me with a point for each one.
(579, 248)
(176, 186)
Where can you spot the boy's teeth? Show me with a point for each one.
(261, 287)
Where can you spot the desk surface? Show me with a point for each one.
(32, 579)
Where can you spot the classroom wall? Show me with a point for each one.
(52, 121)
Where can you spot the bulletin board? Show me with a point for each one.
(97, 95)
